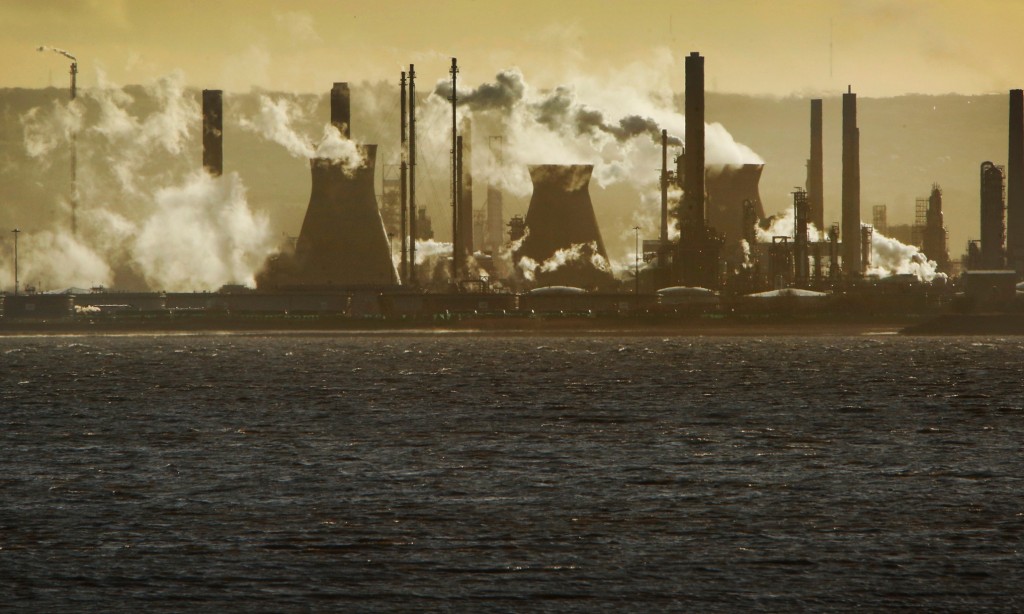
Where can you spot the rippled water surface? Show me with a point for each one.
(347, 473)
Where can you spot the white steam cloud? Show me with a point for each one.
(888, 256)
(276, 121)
(143, 209)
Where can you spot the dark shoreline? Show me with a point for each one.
(468, 325)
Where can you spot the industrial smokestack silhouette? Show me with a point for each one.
(561, 216)
(815, 170)
(466, 188)
(852, 264)
(213, 132)
(993, 217)
(341, 109)
(692, 216)
(1015, 184)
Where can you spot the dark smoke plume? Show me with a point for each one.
(555, 110)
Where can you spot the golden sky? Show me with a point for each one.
(777, 47)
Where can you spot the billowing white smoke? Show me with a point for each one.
(200, 234)
(784, 225)
(578, 252)
(891, 257)
(617, 129)
(888, 256)
(276, 121)
(142, 206)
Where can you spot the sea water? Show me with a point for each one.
(490, 473)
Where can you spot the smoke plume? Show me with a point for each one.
(143, 208)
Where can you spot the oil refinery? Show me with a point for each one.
(717, 255)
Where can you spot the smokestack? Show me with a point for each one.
(993, 217)
(458, 244)
(412, 175)
(456, 151)
(341, 109)
(1015, 184)
(664, 201)
(466, 191)
(495, 215)
(692, 210)
(213, 132)
(815, 170)
(403, 172)
(852, 264)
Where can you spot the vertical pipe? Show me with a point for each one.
(852, 263)
(663, 246)
(466, 191)
(341, 109)
(1015, 184)
(412, 174)
(815, 169)
(16, 232)
(74, 156)
(458, 257)
(692, 210)
(403, 190)
(454, 71)
(213, 132)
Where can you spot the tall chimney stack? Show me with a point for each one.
(1015, 184)
(341, 109)
(852, 264)
(692, 209)
(466, 190)
(213, 132)
(815, 170)
(412, 174)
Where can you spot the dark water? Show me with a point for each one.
(511, 474)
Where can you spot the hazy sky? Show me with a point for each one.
(780, 47)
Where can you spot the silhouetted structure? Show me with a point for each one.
(1015, 184)
(341, 109)
(343, 242)
(697, 258)
(935, 235)
(213, 132)
(993, 218)
(414, 214)
(728, 187)
(852, 264)
(815, 170)
(801, 252)
(561, 219)
(466, 192)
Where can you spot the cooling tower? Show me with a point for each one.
(343, 241)
(213, 132)
(728, 187)
(561, 217)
